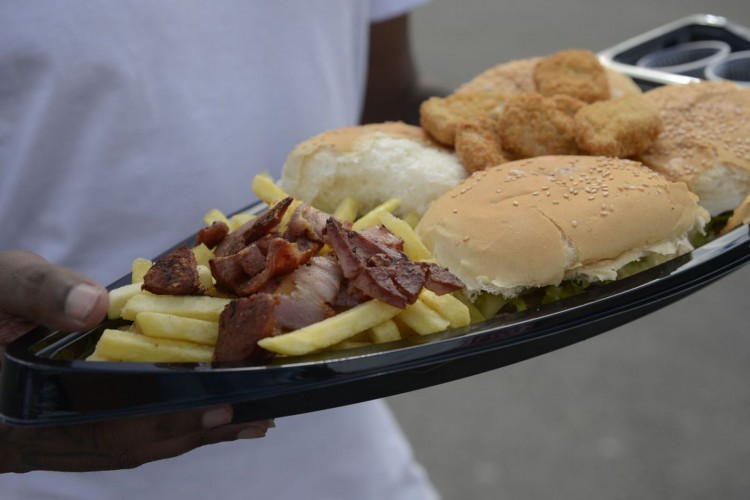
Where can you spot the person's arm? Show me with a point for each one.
(394, 91)
(33, 291)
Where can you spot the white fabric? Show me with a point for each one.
(121, 123)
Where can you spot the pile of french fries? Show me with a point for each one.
(165, 328)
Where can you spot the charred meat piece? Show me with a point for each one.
(349, 296)
(439, 279)
(317, 282)
(307, 222)
(283, 257)
(351, 262)
(292, 313)
(376, 282)
(374, 264)
(212, 235)
(232, 271)
(253, 230)
(242, 324)
(174, 274)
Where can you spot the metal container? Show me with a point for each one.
(625, 56)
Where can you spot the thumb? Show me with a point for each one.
(34, 289)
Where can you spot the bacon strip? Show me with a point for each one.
(253, 229)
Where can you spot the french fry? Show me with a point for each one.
(349, 344)
(205, 277)
(474, 314)
(215, 215)
(188, 306)
(371, 218)
(128, 346)
(386, 331)
(266, 189)
(423, 319)
(119, 297)
(447, 306)
(412, 218)
(346, 210)
(413, 246)
(202, 254)
(167, 326)
(139, 269)
(332, 330)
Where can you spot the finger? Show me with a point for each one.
(116, 444)
(181, 444)
(248, 430)
(34, 289)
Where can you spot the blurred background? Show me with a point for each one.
(657, 409)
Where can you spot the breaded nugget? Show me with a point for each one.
(567, 104)
(532, 125)
(516, 77)
(439, 116)
(478, 144)
(619, 127)
(577, 73)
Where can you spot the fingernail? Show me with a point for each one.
(252, 432)
(217, 417)
(81, 301)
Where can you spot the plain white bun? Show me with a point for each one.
(705, 141)
(371, 163)
(538, 221)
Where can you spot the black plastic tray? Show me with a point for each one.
(46, 382)
(698, 27)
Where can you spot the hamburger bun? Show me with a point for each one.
(517, 77)
(705, 141)
(371, 163)
(740, 216)
(539, 221)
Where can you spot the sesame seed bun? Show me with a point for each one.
(705, 141)
(539, 221)
(371, 163)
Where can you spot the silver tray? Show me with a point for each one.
(623, 56)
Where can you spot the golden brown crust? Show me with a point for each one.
(534, 222)
(512, 78)
(478, 144)
(343, 139)
(617, 127)
(577, 73)
(532, 125)
(567, 104)
(440, 116)
(516, 77)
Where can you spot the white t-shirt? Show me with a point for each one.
(121, 123)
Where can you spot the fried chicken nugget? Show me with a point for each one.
(532, 125)
(567, 104)
(439, 116)
(478, 144)
(620, 127)
(573, 72)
